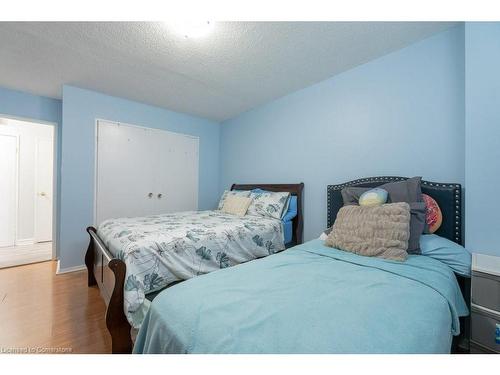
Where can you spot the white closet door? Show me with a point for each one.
(125, 170)
(176, 175)
(143, 171)
(8, 190)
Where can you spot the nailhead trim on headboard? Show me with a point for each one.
(457, 191)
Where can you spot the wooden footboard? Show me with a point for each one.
(108, 274)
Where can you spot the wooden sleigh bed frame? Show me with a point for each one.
(108, 272)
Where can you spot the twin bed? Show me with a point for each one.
(312, 299)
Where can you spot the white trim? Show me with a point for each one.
(96, 163)
(35, 195)
(146, 127)
(18, 185)
(55, 177)
(16, 178)
(25, 241)
(27, 119)
(60, 271)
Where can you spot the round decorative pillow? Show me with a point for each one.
(433, 215)
(373, 197)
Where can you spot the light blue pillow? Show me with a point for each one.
(292, 209)
(450, 253)
(258, 191)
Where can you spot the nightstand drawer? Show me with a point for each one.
(486, 290)
(483, 326)
(479, 349)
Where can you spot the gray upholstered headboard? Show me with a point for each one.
(447, 195)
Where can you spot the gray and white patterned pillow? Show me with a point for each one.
(268, 203)
(239, 193)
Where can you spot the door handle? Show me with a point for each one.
(160, 195)
(150, 195)
(42, 194)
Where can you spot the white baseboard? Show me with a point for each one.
(25, 241)
(60, 270)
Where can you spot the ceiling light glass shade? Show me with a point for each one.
(192, 29)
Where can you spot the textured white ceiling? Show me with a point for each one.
(239, 66)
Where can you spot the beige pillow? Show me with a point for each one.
(239, 193)
(236, 205)
(379, 231)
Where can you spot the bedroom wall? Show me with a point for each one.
(27, 106)
(402, 114)
(24, 106)
(80, 110)
(482, 166)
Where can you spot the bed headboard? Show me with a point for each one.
(294, 189)
(447, 195)
(449, 198)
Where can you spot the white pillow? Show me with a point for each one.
(236, 205)
(325, 234)
(239, 193)
(268, 203)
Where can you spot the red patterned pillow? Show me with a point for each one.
(433, 216)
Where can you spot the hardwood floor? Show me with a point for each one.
(25, 254)
(44, 312)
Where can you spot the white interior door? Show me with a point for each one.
(176, 175)
(44, 189)
(8, 189)
(125, 167)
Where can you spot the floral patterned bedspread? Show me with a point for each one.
(161, 249)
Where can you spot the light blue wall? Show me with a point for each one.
(28, 106)
(80, 110)
(22, 105)
(482, 164)
(402, 114)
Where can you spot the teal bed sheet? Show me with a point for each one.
(309, 299)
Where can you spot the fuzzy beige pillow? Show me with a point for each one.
(380, 231)
(236, 205)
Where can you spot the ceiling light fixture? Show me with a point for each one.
(192, 29)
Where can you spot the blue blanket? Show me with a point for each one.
(309, 299)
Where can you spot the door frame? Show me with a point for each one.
(96, 140)
(55, 175)
(16, 183)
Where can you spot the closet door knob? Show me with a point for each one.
(160, 195)
(150, 195)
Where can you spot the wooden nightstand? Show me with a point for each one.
(485, 301)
